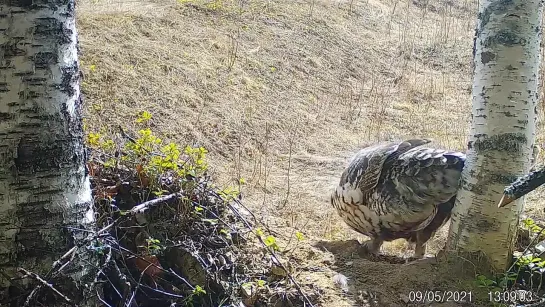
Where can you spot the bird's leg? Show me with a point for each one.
(420, 247)
(372, 246)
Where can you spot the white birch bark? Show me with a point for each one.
(44, 186)
(505, 95)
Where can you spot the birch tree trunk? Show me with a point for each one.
(505, 95)
(44, 185)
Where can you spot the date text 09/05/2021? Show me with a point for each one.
(467, 296)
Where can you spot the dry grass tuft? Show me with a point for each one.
(283, 92)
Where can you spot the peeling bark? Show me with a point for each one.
(507, 58)
(44, 185)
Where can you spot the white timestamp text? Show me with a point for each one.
(440, 296)
(511, 296)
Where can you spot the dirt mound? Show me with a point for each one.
(390, 280)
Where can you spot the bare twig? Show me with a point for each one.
(65, 256)
(57, 267)
(526, 249)
(125, 135)
(534, 304)
(351, 8)
(233, 49)
(311, 8)
(256, 220)
(286, 200)
(102, 300)
(43, 282)
(273, 255)
(144, 206)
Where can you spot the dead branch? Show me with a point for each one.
(43, 282)
(273, 254)
(144, 206)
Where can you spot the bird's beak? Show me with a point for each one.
(504, 201)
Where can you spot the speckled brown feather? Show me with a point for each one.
(392, 190)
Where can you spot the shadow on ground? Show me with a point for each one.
(388, 280)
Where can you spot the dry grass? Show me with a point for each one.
(283, 92)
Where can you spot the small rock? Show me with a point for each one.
(341, 281)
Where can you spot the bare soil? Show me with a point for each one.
(282, 93)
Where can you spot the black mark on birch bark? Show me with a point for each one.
(510, 142)
(11, 48)
(505, 37)
(5, 116)
(47, 28)
(485, 224)
(43, 60)
(70, 76)
(508, 114)
(35, 154)
(476, 189)
(34, 80)
(487, 57)
(26, 94)
(500, 178)
(497, 7)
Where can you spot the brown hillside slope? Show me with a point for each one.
(282, 93)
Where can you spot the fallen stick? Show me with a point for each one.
(45, 283)
(144, 206)
(522, 186)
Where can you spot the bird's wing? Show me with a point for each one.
(427, 176)
(367, 168)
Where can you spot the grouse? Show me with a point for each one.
(399, 190)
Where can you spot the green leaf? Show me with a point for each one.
(211, 221)
(198, 290)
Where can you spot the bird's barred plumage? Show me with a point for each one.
(398, 189)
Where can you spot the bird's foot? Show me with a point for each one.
(370, 248)
(419, 252)
(427, 259)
